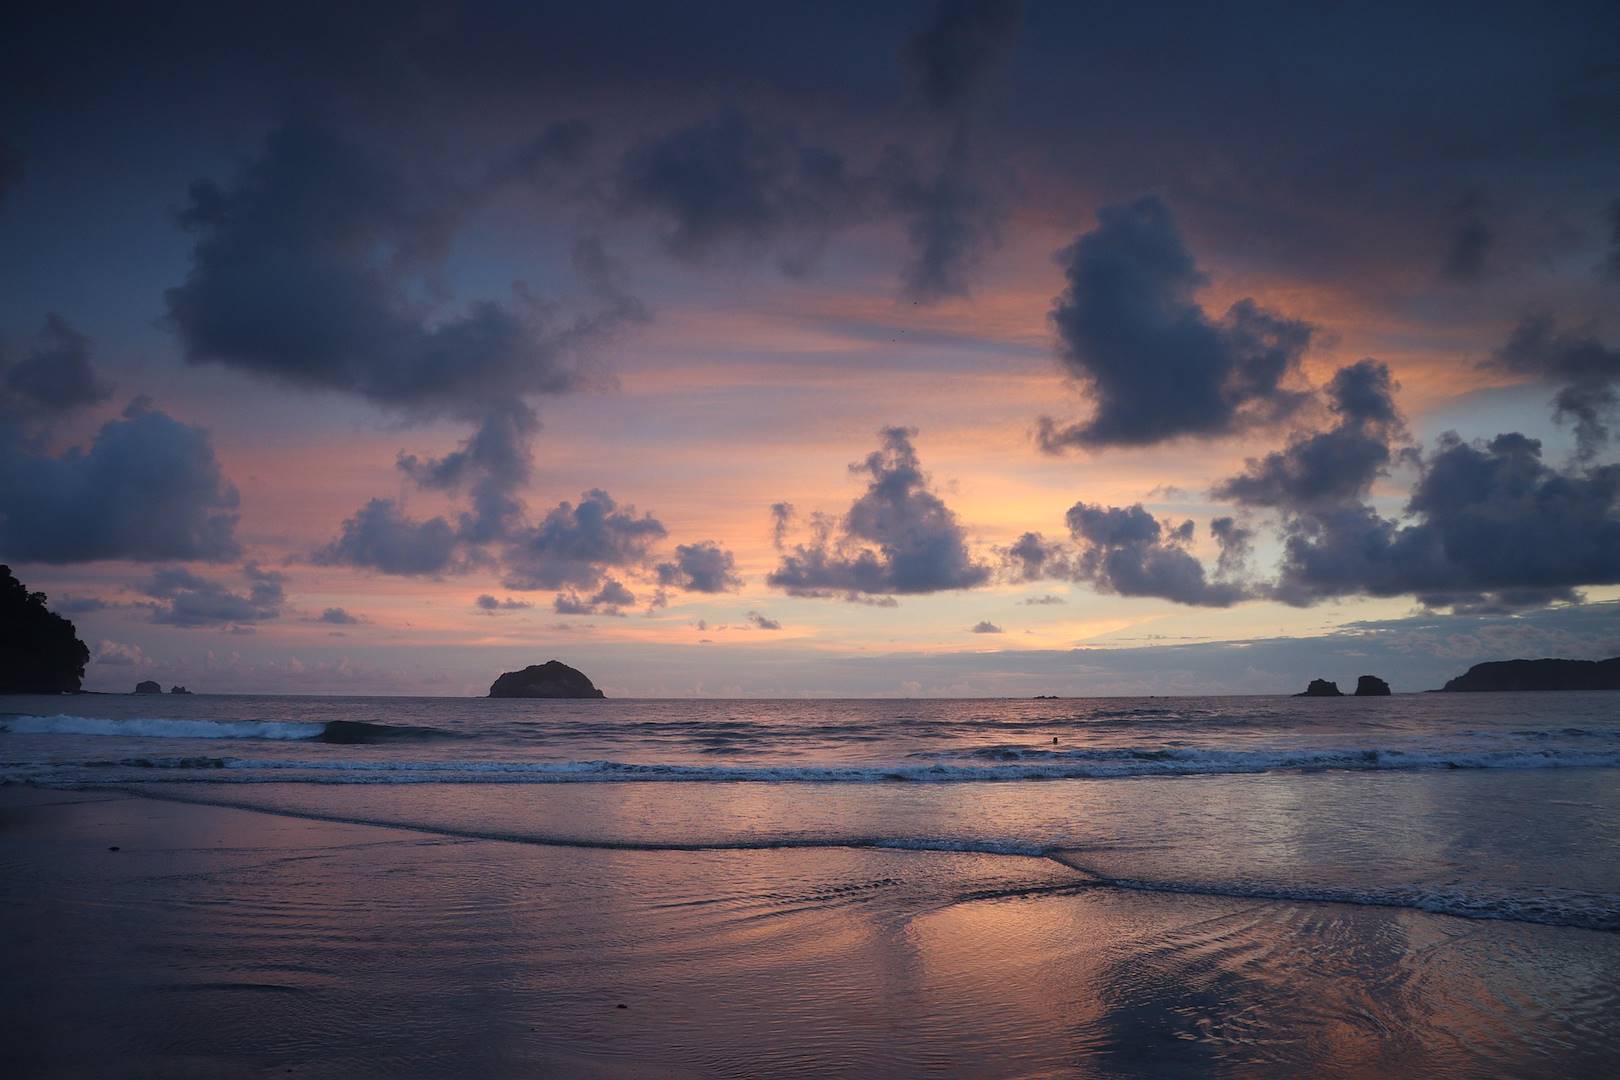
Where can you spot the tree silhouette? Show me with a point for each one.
(40, 653)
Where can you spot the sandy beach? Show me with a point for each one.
(225, 942)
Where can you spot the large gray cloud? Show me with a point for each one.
(576, 543)
(192, 601)
(1586, 372)
(1331, 465)
(1156, 365)
(897, 538)
(304, 271)
(54, 377)
(1491, 526)
(148, 488)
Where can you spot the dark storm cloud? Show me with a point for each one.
(950, 215)
(1156, 365)
(303, 269)
(381, 537)
(704, 567)
(338, 617)
(1492, 527)
(1611, 265)
(148, 488)
(1335, 464)
(55, 376)
(575, 543)
(1586, 372)
(11, 170)
(735, 184)
(960, 49)
(192, 601)
(610, 599)
(897, 538)
(1470, 243)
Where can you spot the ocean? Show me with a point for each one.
(1212, 885)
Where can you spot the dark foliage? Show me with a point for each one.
(40, 653)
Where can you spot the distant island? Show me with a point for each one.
(40, 652)
(1538, 675)
(147, 686)
(552, 679)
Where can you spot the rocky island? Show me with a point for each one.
(552, 679)
(1539, 675)
(147, 686)
(1321, 688)
(1371, 686)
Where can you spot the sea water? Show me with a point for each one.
(1434, 878)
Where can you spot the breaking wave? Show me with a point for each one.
(334, 731)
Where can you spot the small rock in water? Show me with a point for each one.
(621, 1005)
(113, 847)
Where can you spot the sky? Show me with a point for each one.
(914, 349)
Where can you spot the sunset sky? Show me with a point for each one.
(834, 349)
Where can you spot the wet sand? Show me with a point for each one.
(224, 942)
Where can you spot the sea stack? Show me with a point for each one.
(1321, 688)
(552, 679)
(147, 686)
(1371, 686)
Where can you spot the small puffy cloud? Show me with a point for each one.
(577, 542)
(1044, 600)
(899, 537)
(148, 488)
(610, 599)
(192, 601)
(54, 377)
(338, 617)
(985, 626)
(381, 537)
(1156, 364)
(703, 567)
(761, 622)
(490, 605)
(1127, 551)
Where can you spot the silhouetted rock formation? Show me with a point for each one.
(1371, 686)
(552, 679)
(1540, 675)
(39, 651)
(178, 690)
(1321, 688)
(147, 686)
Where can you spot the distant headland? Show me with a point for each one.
(552, 679)
(1538, 675)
